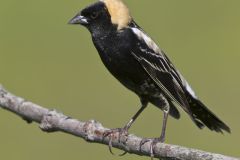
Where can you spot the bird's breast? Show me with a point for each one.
(117, 58)
(116, 55)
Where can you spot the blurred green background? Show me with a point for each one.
(54, 64)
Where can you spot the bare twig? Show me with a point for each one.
(92, 131)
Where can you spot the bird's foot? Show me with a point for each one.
(113, 134)
(153, 142)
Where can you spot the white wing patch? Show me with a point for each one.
(150, 43)
(187, 86)
(190, 90)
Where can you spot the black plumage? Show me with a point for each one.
(135, 60)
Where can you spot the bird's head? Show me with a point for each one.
(103, 15)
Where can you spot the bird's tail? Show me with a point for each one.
(202, 116)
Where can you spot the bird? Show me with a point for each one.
(137, 62)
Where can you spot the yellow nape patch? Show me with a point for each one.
(119, 12)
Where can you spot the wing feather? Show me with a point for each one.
(159, 68)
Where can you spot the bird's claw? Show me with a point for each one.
(113, 133)
(153, 142)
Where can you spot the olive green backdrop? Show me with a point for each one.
(54, 64)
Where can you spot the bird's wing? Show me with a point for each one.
(159, 68)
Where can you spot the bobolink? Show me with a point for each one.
(139, 64)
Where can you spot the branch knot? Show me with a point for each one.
(48, 123)
(92, 130)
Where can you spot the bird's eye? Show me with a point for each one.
(94, 15)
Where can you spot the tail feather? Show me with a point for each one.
(202, 116)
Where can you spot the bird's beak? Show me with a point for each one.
(79, 19)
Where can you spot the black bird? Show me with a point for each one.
(139, 64)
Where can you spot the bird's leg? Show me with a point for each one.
(129, 124)
(124, 130)
(164, 126)
(161, 139)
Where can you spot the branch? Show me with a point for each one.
(92, 131)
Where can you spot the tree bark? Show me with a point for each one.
(93, 131)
